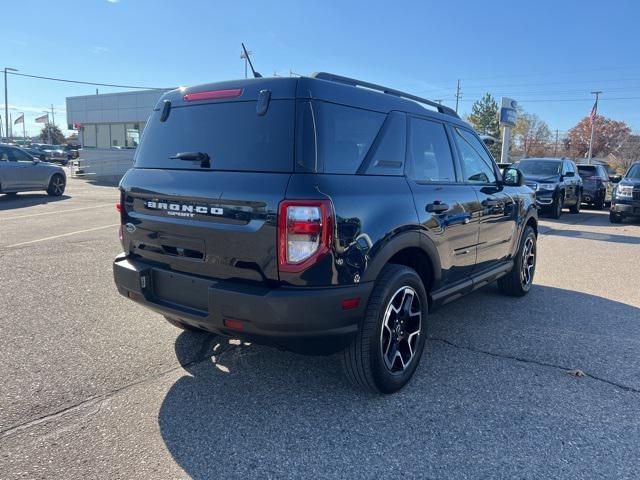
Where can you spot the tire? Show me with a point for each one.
(615, 218)
(518, 281)
(556, 207)
(57, 185)
(383, 359)
(576, 208)
(184, 326)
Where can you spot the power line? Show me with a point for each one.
(86, 83)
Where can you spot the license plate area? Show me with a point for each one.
(181, 291)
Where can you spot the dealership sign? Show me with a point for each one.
(508, 112)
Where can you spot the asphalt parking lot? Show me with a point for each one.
(94, 386)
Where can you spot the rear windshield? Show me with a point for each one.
(587, 171)
(232, 134)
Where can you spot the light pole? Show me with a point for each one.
(6, 101)
(594, 114)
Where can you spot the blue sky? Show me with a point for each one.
(547, 55)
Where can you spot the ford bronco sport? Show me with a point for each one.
(318, 214)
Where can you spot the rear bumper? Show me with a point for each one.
(304, 320)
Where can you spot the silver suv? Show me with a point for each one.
(20, 172)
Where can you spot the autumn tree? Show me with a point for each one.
(484, 119)
(531, 135)
(57, 137)
(628, 153)
(608, 138)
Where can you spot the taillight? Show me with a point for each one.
(305, 229)
(213, 95)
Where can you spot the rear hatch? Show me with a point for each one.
(589, 175)
(211, 169)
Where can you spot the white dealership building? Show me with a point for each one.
(109, 127)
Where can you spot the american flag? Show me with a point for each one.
(594, 112)
(43, 119)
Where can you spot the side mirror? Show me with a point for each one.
(513, 177)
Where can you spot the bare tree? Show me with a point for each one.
(531, 135)
(628, 153)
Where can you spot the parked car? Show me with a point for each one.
(555, 181)
(72, 150)
(626, 196)
(319, 217)
(596, 186)
(20, 172)
(51, 153)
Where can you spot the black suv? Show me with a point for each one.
(318, 214)
(555, 181)
(626, 196)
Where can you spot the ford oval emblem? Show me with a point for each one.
(130, 227)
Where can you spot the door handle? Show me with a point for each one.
(437, 207)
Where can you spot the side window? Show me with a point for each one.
(345, 135)
(4, 155)
(430, 152)
(477, 165)
(20, 156)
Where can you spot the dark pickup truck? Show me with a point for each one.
(318, 214)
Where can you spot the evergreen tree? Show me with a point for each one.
(57, 138)
(484, 118)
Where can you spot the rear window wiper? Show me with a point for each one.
(201, 157)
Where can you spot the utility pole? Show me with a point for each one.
(245, 58)
(457, 95)
(593, 125)
(555, 149)
(53, 117)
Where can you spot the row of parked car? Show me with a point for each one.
(559, 183)
(45, 152)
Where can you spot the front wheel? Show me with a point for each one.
(615, 218)
(56, 185)
(518, 281)
(556, 207)
(576, 208)
(389, 343)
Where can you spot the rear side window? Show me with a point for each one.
(431, 159)
(233, 135)
(587, 171)
(344, 135)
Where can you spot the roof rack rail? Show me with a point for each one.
(359, 83)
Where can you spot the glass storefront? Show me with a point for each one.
(112, 135)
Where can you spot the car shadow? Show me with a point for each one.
(22, 200)
(252, 411)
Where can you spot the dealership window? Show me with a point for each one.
(89, 136)
(132, 135)
(117, 135)
(103, 135)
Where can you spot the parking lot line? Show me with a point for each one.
(58, 211)
(61, 235)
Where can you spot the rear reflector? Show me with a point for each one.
(350, 303)
(212, 95)
(231, 323)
